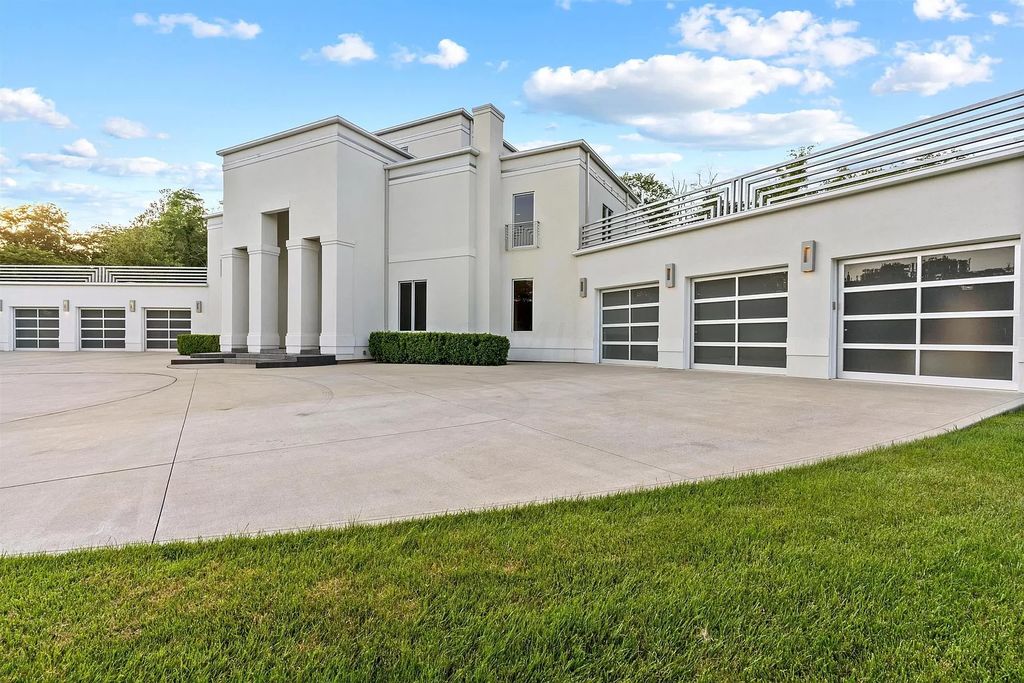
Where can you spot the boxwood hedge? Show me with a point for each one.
(439, 348)
(198, 343)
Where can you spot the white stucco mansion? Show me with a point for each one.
(895, 257)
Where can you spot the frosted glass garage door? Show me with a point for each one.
(163, 325)
(741, 322)
(629, 325)
(101, 328)
(36, 328)
(947, 316)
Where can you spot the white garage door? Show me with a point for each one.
(629, 325)
(946, 316)
(102, 328)
(740, 321)
(36, 328)
(163, 325)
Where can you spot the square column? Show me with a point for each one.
(303, 296)
(234, 307)
(337, 335)
(263, 334)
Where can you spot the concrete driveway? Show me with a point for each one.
(112, 448)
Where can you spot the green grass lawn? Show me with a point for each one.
(907, 562)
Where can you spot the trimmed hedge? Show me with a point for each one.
(439, 348)
(198, 343)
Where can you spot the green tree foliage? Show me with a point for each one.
(170, 232)
(646, 187)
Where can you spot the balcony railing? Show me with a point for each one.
(108, 275)
(521, 235)
(986, 130)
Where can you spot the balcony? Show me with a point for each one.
(101, 275)
(522, 235)
(984, 131)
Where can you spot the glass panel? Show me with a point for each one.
(714, 333)
(404, 306)
(615, 315)
(420, 308)
(48, 313)
(156, 314)
(973, 364)
(49, 334)
(24, 323)
(719, 310)
(647, 295)
(49, 344)
(92, 334)
(987, 331)
(620, 298)
(643, 352)
(615, 334)
(522, 305)
(714, 355)
(181, 315)
(92, 323)
(880, 303)
(92, 313)
(769, 283)
(92, 343)
(964, 264)
(644, 333)
(880, 331)
(615, 352)
(763, 308)
(49, 322)
(26, 344)
(763, 332)
(889, 361)
(157, 324)
(762, 356)
(990, 296)
(180, 324)
(522, 207)
(113, 334)
(30, 333)
(647, 314)
(25, 313)
(113, 312)
(886, 272)
(113, 344)
(710, 289)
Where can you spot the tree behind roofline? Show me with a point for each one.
(39, 234)
(646, 187)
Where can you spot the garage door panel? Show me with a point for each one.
(967, 331)
(714, 333)
(972, 263)
(989, 296)
(884, 272)
(903, 331)
(967, 364)
(761, 356)
(101, 328)
(766, 283)
(163, 325)
(714, 355)
(714, 289)
(719, 310)
(36, 328)
(880, 302)
(775, 307)
(763, 332)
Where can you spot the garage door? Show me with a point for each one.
(163, 325)
(36, 328)
(629, 325)
(102, 328)
(946, 316)
(740, 321)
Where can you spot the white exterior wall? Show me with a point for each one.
(81, 296)
(982, 203)
(433, 135)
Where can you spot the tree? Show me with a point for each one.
(646, 187)
(39, 234)
(794, 178)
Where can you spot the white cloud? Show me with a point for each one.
(815, 81)
(567, 4)
(948, 63)
(999, 18)
(724, 130)
(931, 10)
(199, 173)
(218, 28)
(8, 182)
(796, 36)
(448, 56)
(81, 148)
(349, 49)
(25, 104)
(498, 66)
(126, 129)
(403, 55)
(843, 3)
(643, 161)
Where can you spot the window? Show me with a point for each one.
(412, 306)
(606, 211)
(522, 208)
(522, 231)
(522, 305)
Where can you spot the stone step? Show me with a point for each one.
(196, 361)
(262, 360)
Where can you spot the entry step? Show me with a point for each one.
(264, 360)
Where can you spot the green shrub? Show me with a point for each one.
(198, 343)
(439, 348)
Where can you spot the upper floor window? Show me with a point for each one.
(606, 211)
(522, 208)
(412, 306)
(522, 231)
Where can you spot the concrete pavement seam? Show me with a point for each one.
(170, 471)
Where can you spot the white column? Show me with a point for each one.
(263, 334)
(337, 335)
(303, 296)
(234, 307)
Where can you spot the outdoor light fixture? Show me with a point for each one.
(670, 275)
(583, 288)
(807, 256)
(1, 304)
(199, 307)
(131, 305)
(66, 305)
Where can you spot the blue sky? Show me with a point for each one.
(102, 104)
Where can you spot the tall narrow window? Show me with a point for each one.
(522, 208)
(522, 305)
(606, 211)
(412, 306)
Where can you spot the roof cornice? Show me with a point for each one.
(322, 123)
(569, 145)
(426, 119)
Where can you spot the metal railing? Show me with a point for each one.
(521, 235)
(984, 130)
(116, 275)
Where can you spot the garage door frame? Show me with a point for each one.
(920, 285)
(630, 307)
(52, 340)
(171, 340)
(103, 327)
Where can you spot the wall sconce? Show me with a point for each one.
(1, 304)
(199, 307)
(131, 305)
(66, 305)
(807, 256)
(583, 288)
(670, 275)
